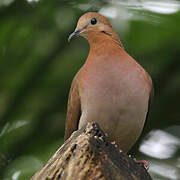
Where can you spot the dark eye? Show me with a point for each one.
(93, 21)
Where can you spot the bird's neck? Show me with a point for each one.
(102, 43)
(96, 39)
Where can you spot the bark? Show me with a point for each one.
(89, 155)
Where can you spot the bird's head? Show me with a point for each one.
(92, 23)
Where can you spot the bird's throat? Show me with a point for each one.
(96, 38)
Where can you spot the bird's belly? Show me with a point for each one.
(120, 115)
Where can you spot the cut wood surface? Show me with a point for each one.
(89, 155)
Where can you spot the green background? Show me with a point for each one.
(37, 65)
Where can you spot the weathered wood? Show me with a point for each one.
(89, 155)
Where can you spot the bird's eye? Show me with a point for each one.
(93, 21)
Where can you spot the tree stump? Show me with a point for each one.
(89, 155)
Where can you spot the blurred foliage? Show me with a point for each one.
(37, 66)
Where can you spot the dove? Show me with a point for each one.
(111, 88)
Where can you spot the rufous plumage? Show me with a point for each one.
(111, 88)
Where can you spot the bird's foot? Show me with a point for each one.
(143, 163)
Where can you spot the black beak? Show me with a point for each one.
(74, 34)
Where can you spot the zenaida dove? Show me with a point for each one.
(111, 88)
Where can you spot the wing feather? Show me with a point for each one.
(73, 109)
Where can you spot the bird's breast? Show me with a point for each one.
(114, 94)
(112, 82)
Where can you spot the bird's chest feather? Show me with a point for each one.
(115, 96)
(110, 83)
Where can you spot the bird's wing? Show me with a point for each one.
(73, 109)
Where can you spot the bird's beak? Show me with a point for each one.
(74, 34)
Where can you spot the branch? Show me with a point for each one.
(89, 155)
